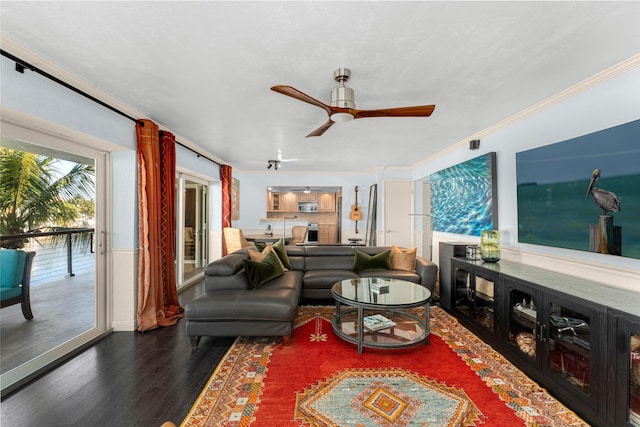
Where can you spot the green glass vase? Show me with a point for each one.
(490, 245)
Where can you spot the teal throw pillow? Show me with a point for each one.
(362, 261)
(281, 250)
(260, 273)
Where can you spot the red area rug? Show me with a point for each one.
(318, 380)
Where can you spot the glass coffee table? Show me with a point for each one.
(377, 313)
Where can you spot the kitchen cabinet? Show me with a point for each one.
(577, 338)
(273, 201)
(282, 202)
(326, 202)
(307, 197)
(289, 202)
(327, 233)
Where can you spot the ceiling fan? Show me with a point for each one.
(343, 106)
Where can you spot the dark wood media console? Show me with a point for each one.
(577, 338)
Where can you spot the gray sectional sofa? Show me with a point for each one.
(230, 307)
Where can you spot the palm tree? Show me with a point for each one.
(33, 194)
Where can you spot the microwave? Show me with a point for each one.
(307, 207)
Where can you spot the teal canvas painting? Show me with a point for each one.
(464, 197)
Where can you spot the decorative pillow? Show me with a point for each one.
(281, 250)
(364, 261)
(403, 258)
(260, 273)
(259, 256)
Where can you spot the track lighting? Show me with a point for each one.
(273, 164)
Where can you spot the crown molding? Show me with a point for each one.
(616, 70)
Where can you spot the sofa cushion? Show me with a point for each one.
(11, 268)
(261, 272)
(403, 258)
(325, 279)
(392, 274)
(226, 266)
(362, 261)
(257, 305)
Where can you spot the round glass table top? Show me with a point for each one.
(378, 291)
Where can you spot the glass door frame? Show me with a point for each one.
(201, 231)
(34, 367)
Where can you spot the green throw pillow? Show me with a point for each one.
(364, 261)
(281, 250)
(260, 273)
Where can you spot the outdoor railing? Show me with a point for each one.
(68, 241)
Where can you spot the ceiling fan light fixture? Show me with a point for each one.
(341, 117)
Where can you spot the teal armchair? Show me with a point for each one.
(15, 278)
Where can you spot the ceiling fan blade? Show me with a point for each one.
(322, 129)
(295, 93)
(418, 111)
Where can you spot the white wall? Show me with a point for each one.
(610, 103)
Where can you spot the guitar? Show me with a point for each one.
(356, 213)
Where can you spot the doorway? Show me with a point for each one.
(68, 283)
(192, 229)
(398, 203)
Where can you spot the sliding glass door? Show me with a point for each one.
(192, 229)
(68, 276)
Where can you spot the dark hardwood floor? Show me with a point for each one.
(125, 379)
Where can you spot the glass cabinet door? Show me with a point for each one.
(569, 345)
(523, 322)
(634, 379)
(484, 293)
(474, 294)
(463, 297)
(627, 370)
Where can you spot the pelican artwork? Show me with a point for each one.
(606, 200)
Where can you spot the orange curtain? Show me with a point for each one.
(226, 179)
(158, 303)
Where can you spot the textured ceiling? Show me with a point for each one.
(203, 69)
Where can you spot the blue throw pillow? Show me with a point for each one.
(260, 273)
(362, 261)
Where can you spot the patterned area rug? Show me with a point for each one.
(318, 380)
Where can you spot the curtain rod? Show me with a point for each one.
(21, 65)
(198, 154)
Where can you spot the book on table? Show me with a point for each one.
(376, 322)
(379, 287)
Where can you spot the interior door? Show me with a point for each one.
(398, 205)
